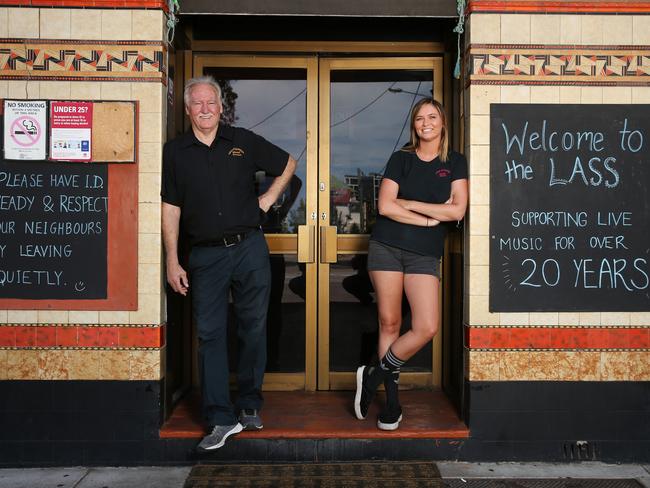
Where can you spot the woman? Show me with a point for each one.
(425, 183)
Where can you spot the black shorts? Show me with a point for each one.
(382, 257)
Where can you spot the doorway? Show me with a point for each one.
(341, 118)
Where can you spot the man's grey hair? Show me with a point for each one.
(200, 80)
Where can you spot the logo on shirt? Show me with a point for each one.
(443, 173)
(236, 152)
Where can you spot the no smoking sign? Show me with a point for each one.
(24, 123)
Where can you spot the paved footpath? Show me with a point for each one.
(174, 477)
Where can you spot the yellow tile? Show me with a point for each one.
(116, 24)
(591, 29)
(479, 160)
(149, 276)
(485, 29)
(515, 29)
(83, 317)
(481, 96)
(483, 366)
(591, 94)
(641, 94)
(23, 23)
(570, 27)
(22, 364)
(589, 366)
(114, 365)
(147, 25)
(84, 365)
(615, 366)
(145, 365)
(53, 365)
(479, 313)
(615, 318)
(479, 190)
(149, 188)
(618, 30)
(544, 29)
(151, 127)
(55, 90)
(115, 90)
(3, 364)
(639, 366)
(149, 249)
(514, 365)
(522, 318)
(150, 158)
(52, 316)
(479, 129)
(55, 23)
(23, 89)
(515, 94)
(85, 23)
(543, 366)
(150, 96)
(569, 318)
(4, 87)
(149, 309)
(83, 90)
(544, 94)
(543, 318)
(3, 317)
(641, 30)
(479, 219)
(640, 318)
(570, 94)
(22, 316)
(617, 94)
(589, 318)
(113, 317)
(149, 218)
(4, 32)
(479, 282)
(479, 250)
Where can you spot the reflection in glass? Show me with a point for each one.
(273, 104)
(369, 121)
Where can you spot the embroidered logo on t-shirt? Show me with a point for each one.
(236, 152)
(443, 173)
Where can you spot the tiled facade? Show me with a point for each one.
(560, 57)
(93, 54)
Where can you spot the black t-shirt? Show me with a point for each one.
(215, 185)
(426, 182)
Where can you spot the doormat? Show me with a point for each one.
(542, 483)
(320, 475)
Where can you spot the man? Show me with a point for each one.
(208, 187)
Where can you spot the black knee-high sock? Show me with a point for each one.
(391, 364)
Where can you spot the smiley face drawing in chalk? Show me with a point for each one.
(80, 286)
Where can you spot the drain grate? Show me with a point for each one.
(540, 483)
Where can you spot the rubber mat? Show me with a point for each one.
(542, 483)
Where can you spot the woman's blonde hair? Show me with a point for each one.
(444, 137)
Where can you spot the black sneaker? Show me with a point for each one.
(389, 418)
(217, 437)
(250, 419)
(365, 391)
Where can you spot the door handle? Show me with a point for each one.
(328, 244)
(306, 243)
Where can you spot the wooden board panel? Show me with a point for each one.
(114, 132)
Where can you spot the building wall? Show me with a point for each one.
(580, 346)
(119, 55)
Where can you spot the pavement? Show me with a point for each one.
(174, 477)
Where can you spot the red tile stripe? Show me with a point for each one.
(81, 337)
(536, 6)
(152, 4)
(558, 338)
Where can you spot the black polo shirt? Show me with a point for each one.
(215, 185)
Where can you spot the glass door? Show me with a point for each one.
(364, 107)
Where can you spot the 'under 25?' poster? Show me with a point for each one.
(71, 131)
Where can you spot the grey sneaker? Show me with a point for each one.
(389, 418)
(250, 419)
(217, 438)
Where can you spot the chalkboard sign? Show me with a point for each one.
(53, 230)
(569, 208)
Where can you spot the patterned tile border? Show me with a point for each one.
(82, 60)
(82, 336)
(133, 4)
(557, 338)
(555, 6)
(563, 65)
